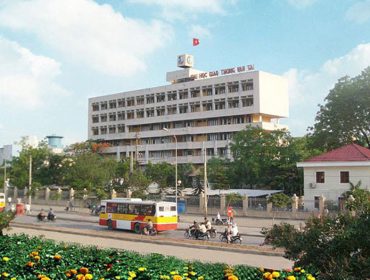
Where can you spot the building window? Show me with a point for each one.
(344, 177)
(317, 202)
(150, 112)
(103, 118)
(247, 85)
(121, 115)
(150, 99)
(103, 130)
(320, 177)
(121, 103)
(121, 128)
(131, 101)
(171, 95)
(95, 106)
(95, 131)
(207, 91)
(112, 104)
(161, 97)
(112, 129)
(95, 118)
(140, 100)
(140, 114)
(112, 117)
(104, 105)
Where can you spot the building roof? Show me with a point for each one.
(351, 152)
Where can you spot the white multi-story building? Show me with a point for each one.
(197, 111)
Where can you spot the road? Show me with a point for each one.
(84, 229)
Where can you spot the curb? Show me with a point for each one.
(244, 249)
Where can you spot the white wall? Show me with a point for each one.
(332, 188)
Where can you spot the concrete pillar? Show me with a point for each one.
(321, 204)
(222, 203)
(295, 203)
(59, 194)
(84, 197)
(47, 193)
(245, 204)
(71, 194)
(15, 194)
(113, 194)
(201, 203)
(269, 207)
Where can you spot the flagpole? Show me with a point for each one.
(205, 181)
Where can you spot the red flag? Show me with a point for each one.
(195, 42)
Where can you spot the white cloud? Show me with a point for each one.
(301, 4)
(359, 12)
(199, 31)
(89, 33)
(26, 79)
(312, 87)
(182, 9)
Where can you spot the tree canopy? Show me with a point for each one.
(345, 117)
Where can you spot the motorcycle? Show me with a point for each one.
(202, 235)
(41, 218)
(151, 232)
(189, 233)
(51, 217)
(233, 239)
(219, 222)
(212, 232)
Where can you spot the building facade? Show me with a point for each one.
(196, 112)
(6, 153)
(330, 174)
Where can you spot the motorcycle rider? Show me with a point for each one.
(232, 232)
(194, 229)
(202, 230)
(41, 216)
(149, 228)
(51, 215)
(207, 223)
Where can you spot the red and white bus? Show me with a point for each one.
(134, 214)
(2, 202)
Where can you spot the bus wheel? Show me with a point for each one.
(137, 227)
(110, 224)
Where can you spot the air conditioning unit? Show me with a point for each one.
(312, 185)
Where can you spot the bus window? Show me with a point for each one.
(161, 209)
(148, 210)
(122, 208)
(173, 208)
(134, 209)
(112, 207)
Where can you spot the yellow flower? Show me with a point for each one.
(266, 275)
(57, 257)
(177, 277)
(201, 278)
(80, 277)
(5, 259)
(45, 278)
(88, 277)
(36, 258)
(261, 269)
(118, 277)
(173, 272)
(130, 278)
(192, 273)
(84, 270)
(40, 276)
(68, 274)
(132, 274)
(30, 264)
(13, 278)
(291, 277)
(297, 269)
(232, 277)
(142, 269)
(73, 271)
(275, 274)
(34, 253)
(303, 271)
(101, 279)
(185, 274)
(5, 274)
(310, 277)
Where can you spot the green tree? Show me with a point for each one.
(335, 247)
(219, 173)
(162, 173)
(5, 218)
(279, 200)
(267, 159)
(345, 117)
(19, 173)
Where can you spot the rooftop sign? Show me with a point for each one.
(222, 72)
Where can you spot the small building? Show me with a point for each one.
(331, 173)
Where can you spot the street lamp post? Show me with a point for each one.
(176, 182)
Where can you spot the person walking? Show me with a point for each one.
(28, 209)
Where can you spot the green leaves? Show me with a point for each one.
(26, 257)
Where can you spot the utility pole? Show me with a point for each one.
(30, 181)
(205, 181)
(5, 183)
(136, 146)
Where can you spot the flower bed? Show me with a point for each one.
(23, 257)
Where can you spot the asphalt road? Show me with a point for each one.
(82, 228)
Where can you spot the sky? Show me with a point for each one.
(55, 54)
